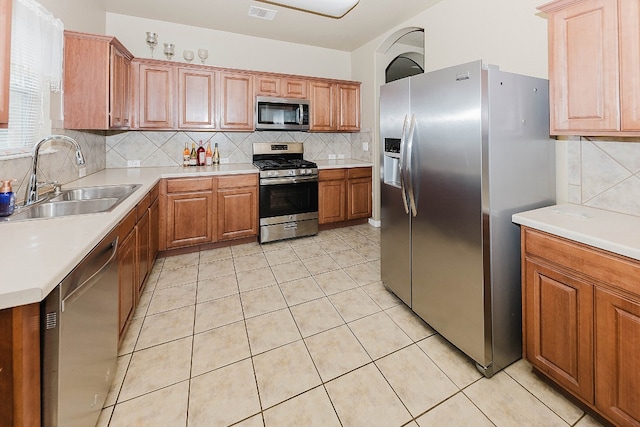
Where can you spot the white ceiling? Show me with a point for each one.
(367, 20)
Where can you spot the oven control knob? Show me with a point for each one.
(292, 172)
(272, 173)
(309, 171)
(302, 172)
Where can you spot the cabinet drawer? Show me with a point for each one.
(331, 174)
(603, 266)
(232, 181)
(359, 172)
(181, 185)
(142, 207)
(126, 225)
(153, 194)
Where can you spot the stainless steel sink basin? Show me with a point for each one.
(75, 201)
(90, 193)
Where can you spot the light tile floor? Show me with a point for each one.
(303, 333)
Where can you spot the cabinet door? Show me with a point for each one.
(189, 218)
(237, 212)
(322, 98)
(583, 67)
(348, 107)
(558, 327)
(196, 92)
(155, 97)
(119, 89)
(267, 86)
(331, 201)
(237, 101)
(294, 88)
(618, 357)
(127, 271)
(359, 193)
(143, 233)
(5, 58)
(630, 65)
(154, 233)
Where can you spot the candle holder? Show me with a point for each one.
(203, 54)
(169, 50)
(152, 41)
(188, 55)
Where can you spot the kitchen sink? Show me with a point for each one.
(90, 193)
(75, 201)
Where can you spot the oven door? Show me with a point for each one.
(288, 196)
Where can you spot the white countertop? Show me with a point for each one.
(610, 231)
(341, 163)
(36, 255)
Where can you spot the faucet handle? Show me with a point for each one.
(57, 187)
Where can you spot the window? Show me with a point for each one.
(36, 71)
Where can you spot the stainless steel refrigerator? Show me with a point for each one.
(463, 148)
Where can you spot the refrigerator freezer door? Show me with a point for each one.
(395, 245)
(447, 234)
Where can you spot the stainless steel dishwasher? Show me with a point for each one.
(80, 339)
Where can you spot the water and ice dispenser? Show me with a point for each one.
(391, 162)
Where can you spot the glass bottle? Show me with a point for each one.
(208, 155)
(201, 154)
(216, 155)
(186, 155)
(193, 157)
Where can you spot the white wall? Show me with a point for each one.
(229, 49)
(510, 34)
(78, 15)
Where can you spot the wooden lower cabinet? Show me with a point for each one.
(359, 193)
(189, 209)
(20, 366)
(618, 357)
(237, 206)
(581, 322)
(196, 211)
(332, 190)
(143, 236)
(127, 279)
(559, 315)
(344, 194)
(154, 232)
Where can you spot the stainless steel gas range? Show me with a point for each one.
(288, 191)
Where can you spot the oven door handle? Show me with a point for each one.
(288, 180)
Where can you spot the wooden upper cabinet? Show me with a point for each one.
(155, 92)
(594, 67)
(236, 110)
(97, 92)
(5, 60)
(284, 87)
(630, 64)
(322, 98)
(197, 96)
(348, 116)
(120, 89)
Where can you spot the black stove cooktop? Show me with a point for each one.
(278, 163)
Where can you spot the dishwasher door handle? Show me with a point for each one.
(86, 284)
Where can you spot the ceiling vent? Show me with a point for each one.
(262, 13)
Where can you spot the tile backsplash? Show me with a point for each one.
(58, 164)
(605, 174)
(164, 148)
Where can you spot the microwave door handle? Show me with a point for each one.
(300, 113)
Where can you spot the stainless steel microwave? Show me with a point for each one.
(281, 113)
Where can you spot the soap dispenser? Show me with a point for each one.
(7, 198)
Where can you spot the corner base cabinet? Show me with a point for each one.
(581, 322)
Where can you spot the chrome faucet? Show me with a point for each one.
(32, 189)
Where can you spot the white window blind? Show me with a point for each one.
(37, 39)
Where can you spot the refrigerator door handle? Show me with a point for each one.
(412, 198)
(402, 166)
